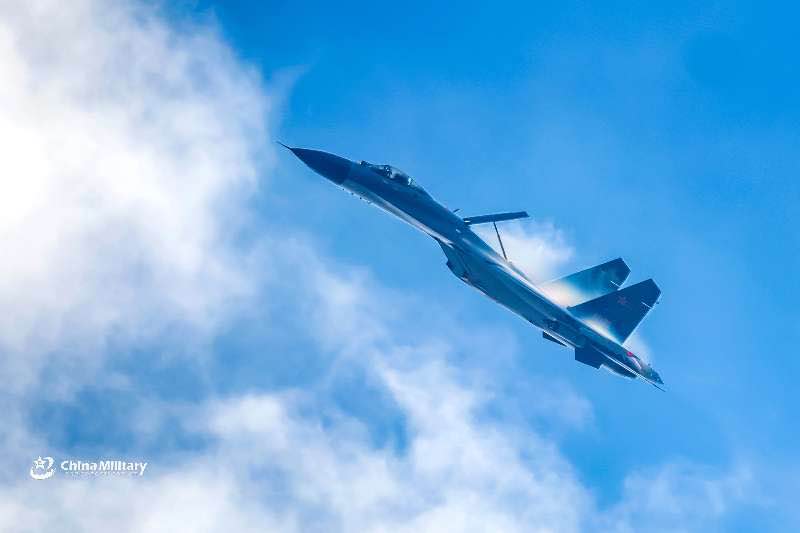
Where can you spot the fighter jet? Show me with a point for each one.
(588, 311)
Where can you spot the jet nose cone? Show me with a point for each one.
(330, 166)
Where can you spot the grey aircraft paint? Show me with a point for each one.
(587, 311)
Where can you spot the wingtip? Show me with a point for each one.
(287, 147)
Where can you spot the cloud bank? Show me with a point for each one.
(130, 143)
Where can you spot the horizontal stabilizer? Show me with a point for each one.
(589, 355)
(587, 284)
(618, 313)
(497, 217)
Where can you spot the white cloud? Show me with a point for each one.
(126, 141)
(273, 467)
(680, 497)
(537, 248)
(456, 474)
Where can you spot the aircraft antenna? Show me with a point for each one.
(502, 248)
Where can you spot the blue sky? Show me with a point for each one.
(215, 296)
(661, 135)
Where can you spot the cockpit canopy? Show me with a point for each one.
(394, 174)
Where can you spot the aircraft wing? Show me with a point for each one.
(587, 284)
(630, 368)
(495, 217)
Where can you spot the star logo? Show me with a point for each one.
(42, 468)
(621, 300)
